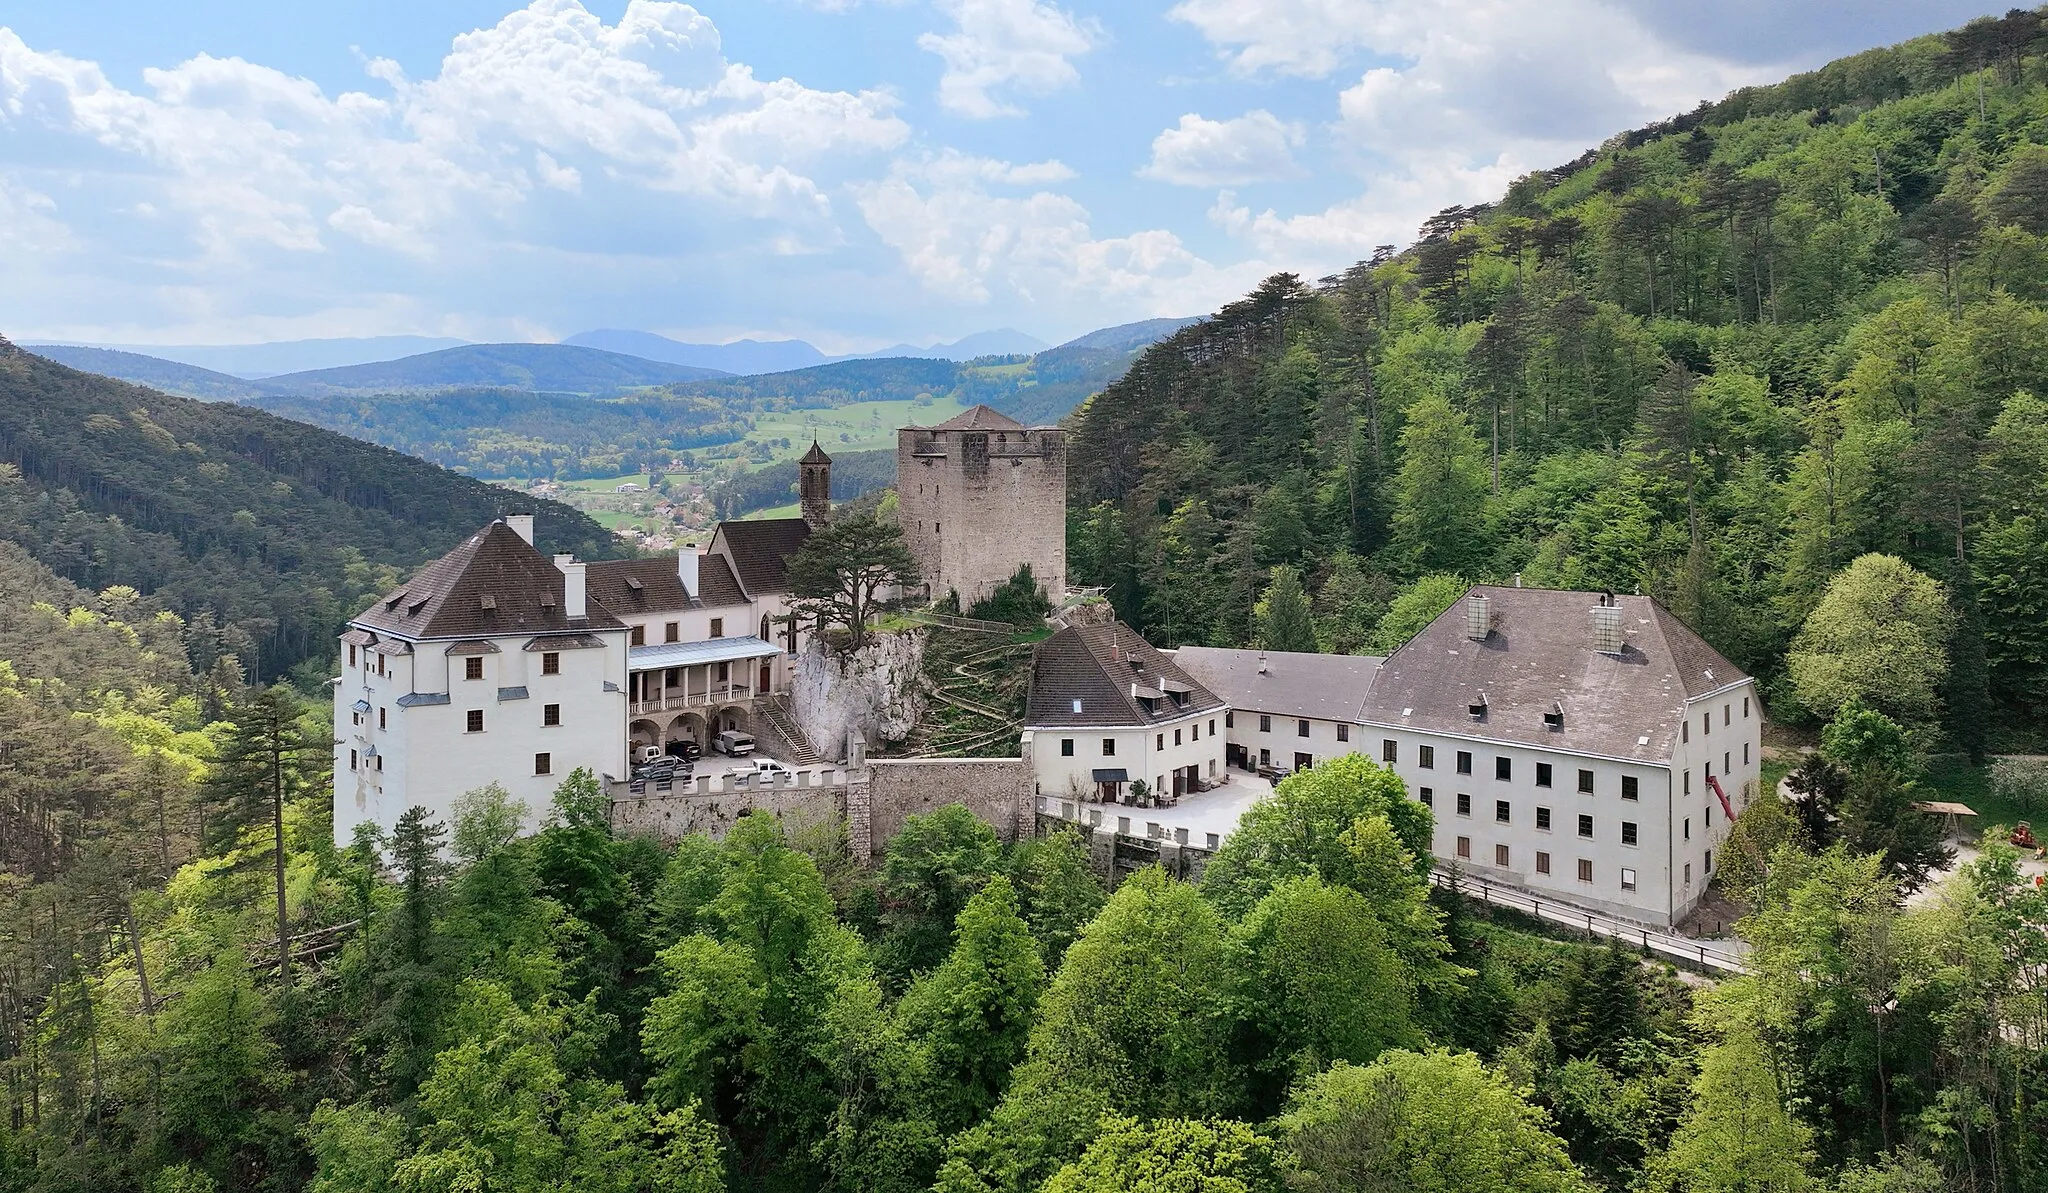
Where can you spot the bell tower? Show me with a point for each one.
(814, 486)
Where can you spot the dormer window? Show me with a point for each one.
(393, 602)
(1554, 719)
(488, 602)
(1478, 708)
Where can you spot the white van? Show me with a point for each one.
(734, 743)
(642, 755)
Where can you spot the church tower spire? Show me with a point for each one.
(814, 485)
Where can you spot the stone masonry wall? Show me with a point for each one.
(998, 790)
(970, 520)
(873, 801)
(712, 807)
(875, 692)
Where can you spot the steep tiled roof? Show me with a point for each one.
(760, 547)
(1327, 687)
(494, 583)
(816, 455)
(717, 587)
(629, 587)
(980, 418)
(1105, 669)
(1539, 656)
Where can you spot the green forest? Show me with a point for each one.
(1716, 360)
(263, 535)
(199, 992)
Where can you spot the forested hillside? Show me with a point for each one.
(503, 432)
(1716, 360)
(261, 533)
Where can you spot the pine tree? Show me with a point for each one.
(268, 761)
(1284, 620)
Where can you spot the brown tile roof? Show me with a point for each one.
(1540, 655)
(980, 418)
(717, 587)
(494, 583)
(760, 547)
(816, 455)
(1098, 666)
(629, 587)
(1327, 687)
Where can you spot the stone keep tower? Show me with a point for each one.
(980, 494)
(814, 486)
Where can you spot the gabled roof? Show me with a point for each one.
(630, 587)
(759, 549)
(717, 587)
(1326, 687)
(1090, 676)
(494, 583)
(980, 418)
(1539, 657)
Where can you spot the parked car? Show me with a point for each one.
(734, 743)
(768, 768)
(665, 767)
(642, 755)
(685, 749)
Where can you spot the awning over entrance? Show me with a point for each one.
(692, 654)
(1113, 775)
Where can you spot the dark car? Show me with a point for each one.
(688, 751)
(665, 767)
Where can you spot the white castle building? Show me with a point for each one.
(498, 663)
(1590, 748)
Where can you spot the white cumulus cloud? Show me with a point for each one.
(1255, 147)
(967, 241)
(1022, 46)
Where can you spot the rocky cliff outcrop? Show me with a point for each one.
(875, 692)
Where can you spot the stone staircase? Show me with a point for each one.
(795, 744)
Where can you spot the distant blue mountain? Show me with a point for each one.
(250, 361)
(1004, 341)
(170, 376)
(543, 368)
(741, 357)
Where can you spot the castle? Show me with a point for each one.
(979, 494)
(497, 663)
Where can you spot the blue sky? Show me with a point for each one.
(852, 172)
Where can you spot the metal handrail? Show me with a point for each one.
(1591, 922)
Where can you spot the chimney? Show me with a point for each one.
(1478, 617)
(522, 525)
(573, 606)
(1607, 638)
(686, 568)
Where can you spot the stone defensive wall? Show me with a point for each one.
(872, 799)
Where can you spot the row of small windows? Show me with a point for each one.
(1504, 768)
(1301, 726)
(1504, 857)
(1158, 741)
(1707, 720)
(672, 631)
(1504, 813)
(550, 664)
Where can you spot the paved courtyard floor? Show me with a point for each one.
(1201, 813)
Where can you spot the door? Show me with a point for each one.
(1304, 761)
(1237, 756)
(767, 678)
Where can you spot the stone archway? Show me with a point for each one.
(687, 727)
(733, 716)
(643, 733)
